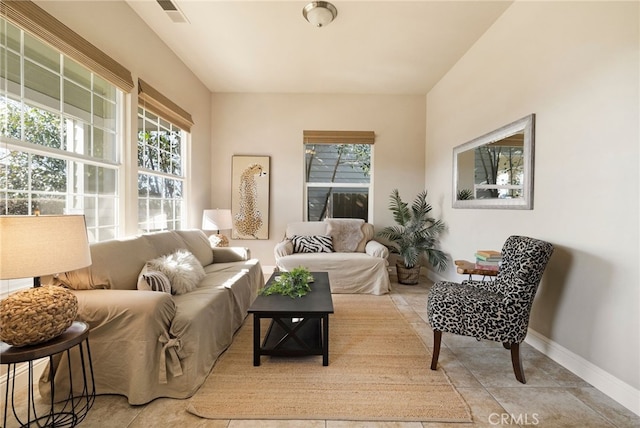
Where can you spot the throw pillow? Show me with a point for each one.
(182, 268)
(153, 281)
(312, 244)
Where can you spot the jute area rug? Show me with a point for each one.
(378, 371)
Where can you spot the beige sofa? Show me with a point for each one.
(150, 344)
(357, 264)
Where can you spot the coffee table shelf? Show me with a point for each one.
(307, 340)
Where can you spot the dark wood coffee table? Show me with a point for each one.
(299, 326)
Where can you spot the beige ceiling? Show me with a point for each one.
(372, 47)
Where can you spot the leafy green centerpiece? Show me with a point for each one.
(293, 284)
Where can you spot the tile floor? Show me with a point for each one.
(481, 371)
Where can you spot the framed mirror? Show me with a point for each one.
(496, 169)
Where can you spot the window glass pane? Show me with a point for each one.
(49, 204)
(16, 203)
(10, 70)
(155, 186)
(91, 178)
(143, 186)
(108, 184)
(77, 136)
(104, 113)
(77, 101)
(176, 165)
(15, 170)
(106, 211)
(10, 118)
(176, 143)
(333, 202)
(154, 162)
(37, 51)
(77, 73)
(41, 85)
(47, 173)
(164, 125)
(337, 163)
(104, 89)
(105, 145)
(10, 35)
(42, 127)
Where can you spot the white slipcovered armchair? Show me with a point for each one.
(344, 248)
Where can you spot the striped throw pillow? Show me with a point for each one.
(312, 244)
(152, 280)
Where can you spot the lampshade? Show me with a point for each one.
(217, 219)
(34, 246)
(319, 13)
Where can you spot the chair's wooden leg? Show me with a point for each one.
(517, 362)
(437, 338)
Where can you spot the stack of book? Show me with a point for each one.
(488, 259)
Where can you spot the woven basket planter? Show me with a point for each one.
(36, 315)
(408, 276)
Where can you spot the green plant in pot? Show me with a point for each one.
(293, 284)
(416, 235)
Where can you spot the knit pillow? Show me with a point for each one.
(312, 244)
(153, 281)
(182, 268)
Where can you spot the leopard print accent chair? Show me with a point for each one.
(494, 310)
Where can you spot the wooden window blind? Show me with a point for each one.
(42, 25)
(152, 100)
(338, 137)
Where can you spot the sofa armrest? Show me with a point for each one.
(134, 311)
(376, 249)
(283, 248)
(230, 254)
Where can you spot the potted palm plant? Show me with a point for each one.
(416, 235)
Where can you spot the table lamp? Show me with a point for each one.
(34, 246)
(217, 219)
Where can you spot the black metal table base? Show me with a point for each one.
(67, 412)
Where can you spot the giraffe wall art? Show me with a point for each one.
(250, 197)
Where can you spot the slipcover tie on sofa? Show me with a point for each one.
(171, 346)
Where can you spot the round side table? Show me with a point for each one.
(64, 413)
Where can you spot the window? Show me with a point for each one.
(160, 173)
(162, 146)
(337, 174)
(60, 136)
(59, 128)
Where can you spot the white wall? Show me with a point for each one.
(576, 66)
(120, 33)
(272, 125)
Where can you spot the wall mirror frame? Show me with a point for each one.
(496, 170)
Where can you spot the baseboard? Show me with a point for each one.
(620, 391)
(22, 374)
(610, 385)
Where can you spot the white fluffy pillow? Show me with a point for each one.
(182, 268)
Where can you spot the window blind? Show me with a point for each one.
(152, 100)
(338, 137)
(42, 25)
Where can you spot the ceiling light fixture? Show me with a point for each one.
(319, 13)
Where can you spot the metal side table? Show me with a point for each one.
(68, 412)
